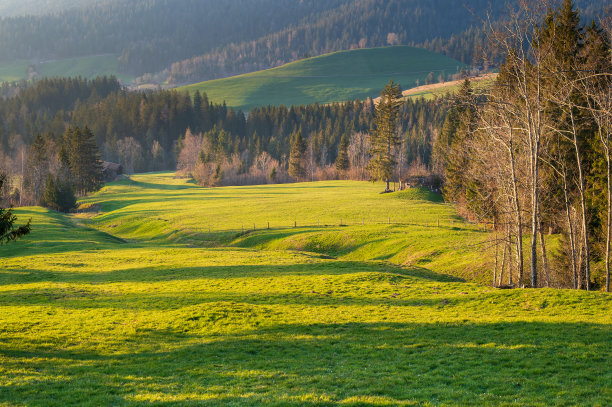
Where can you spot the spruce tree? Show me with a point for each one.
(342, 161)
(218, 176)
(296, 157)
(273, 175)
(8, 231)
(58, 195)
(38, 167)
(453, 144)
(385, 138)
(197, 111)
(84, 159)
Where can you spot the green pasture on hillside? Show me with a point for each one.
(338, 218)
(87, 67)
(478, 84)
(138, 304)
(335, 77)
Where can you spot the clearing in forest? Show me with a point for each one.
(140, 304)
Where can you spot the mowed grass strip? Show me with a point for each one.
(87, 318)
(335, 77)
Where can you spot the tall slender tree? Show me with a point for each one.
(83, 159)
(342, 161)
(296, 156)
(385, 137)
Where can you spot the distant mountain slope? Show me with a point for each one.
(13, 8)
(329, 78)
(187, 41)
(149, 35)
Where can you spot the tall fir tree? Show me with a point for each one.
(84, 160)
(452, 147)
(385, 137)
(342, 161)
(58, 195)
(38, 167)
(296, 157)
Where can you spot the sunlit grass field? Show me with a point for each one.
(134, 306)
(335, 77)
(478, 84)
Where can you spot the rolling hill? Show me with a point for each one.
(87, 67)
(334, 77)
(366, 314)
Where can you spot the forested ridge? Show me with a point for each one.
(189, 41)
(147, 35)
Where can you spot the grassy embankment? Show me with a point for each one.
(90, 319)
(335, 77)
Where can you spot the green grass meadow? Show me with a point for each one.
(87, 67)
(335, 77)
(140, 304)
(451, 89)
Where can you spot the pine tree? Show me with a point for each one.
(296, 157)
(385, 138)
(38, 167)
(197, 111)
(218, 176)
(458, 126)
(342, 161)
(84, 159)
(273, 175)
(58, 195)
(8, 231)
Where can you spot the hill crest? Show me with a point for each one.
(334, 77)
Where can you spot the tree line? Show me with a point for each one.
(532, 155)
(145, 131)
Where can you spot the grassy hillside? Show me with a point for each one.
(87, 67)
(332, 77)
(441, 89)
(172, 316)
(401, 228)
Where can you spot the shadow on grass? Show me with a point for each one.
(55, 233)
(166, 272)
(365, 364)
